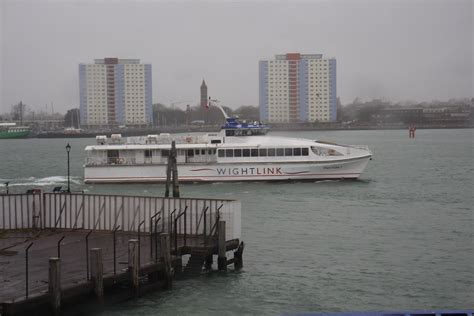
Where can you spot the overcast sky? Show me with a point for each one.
(397, 50)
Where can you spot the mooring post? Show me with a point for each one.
(133, 263)
(166, 257)
(221, 259)
(54, 285)
(97, 272)
(238, 261)
(208, 262)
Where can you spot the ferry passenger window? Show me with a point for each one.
(229, 132)
(196, 152)
(271, 152)
(262, 152)
(215, 141)
(280, 152)
(148, 153)
(237, 152)
(190, 153)
(165, 153)
(203, 151)
(304, 151)
(246, 152)
(221, 153)
(254, 152)
(288, 152)
(229, 153)
(296, 151)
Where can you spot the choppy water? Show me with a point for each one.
(400, 238)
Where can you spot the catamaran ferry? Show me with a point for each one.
(239, 152)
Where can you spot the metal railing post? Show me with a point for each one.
(139, 245)
(59, 246)
(115, 250)
(151, 234)
(87, 254)
(156, 239)
(26, 267)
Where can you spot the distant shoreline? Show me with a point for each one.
(294, 128)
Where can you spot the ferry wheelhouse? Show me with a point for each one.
(239, 152)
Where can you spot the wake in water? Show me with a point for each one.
(47, 181)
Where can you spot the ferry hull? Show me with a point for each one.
(347, 169)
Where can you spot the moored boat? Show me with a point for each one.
(11, 130)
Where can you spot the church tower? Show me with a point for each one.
(204, 94)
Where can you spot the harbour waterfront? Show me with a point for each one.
(400, 238)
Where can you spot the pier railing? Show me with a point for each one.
(20, 211)
(186, 217)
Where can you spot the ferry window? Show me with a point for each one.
(262, 152)
(304, 151)
(190, 153)
(165, 153)
(196, 152)
(211, 152)
(271, 152)
(280, 152)
(254, 152)
(296, 151)
(229, 132)
(203, 151)
(229, 153)
(221, 153)
(215, 141)
(237, 152)
(148, 153)
(246, 152)
(288, 152)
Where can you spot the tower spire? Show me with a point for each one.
(204, 94)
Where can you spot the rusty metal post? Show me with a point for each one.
(115, 249)
(59, 246)
(26, 267)
(87, 254)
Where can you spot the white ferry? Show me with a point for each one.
(239, 152)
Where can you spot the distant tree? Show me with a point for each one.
(248, 112)
(18, 111)
(72, 118)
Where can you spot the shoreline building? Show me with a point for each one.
(115, 92)
(297, 88)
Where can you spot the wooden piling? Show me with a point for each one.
(221, 258)
(208, 262)
(174, 169)
(166, 258)
(133, 267)
(54, 285)
(97, 272)
(238, 254)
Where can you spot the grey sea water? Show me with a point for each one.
(400, 238)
